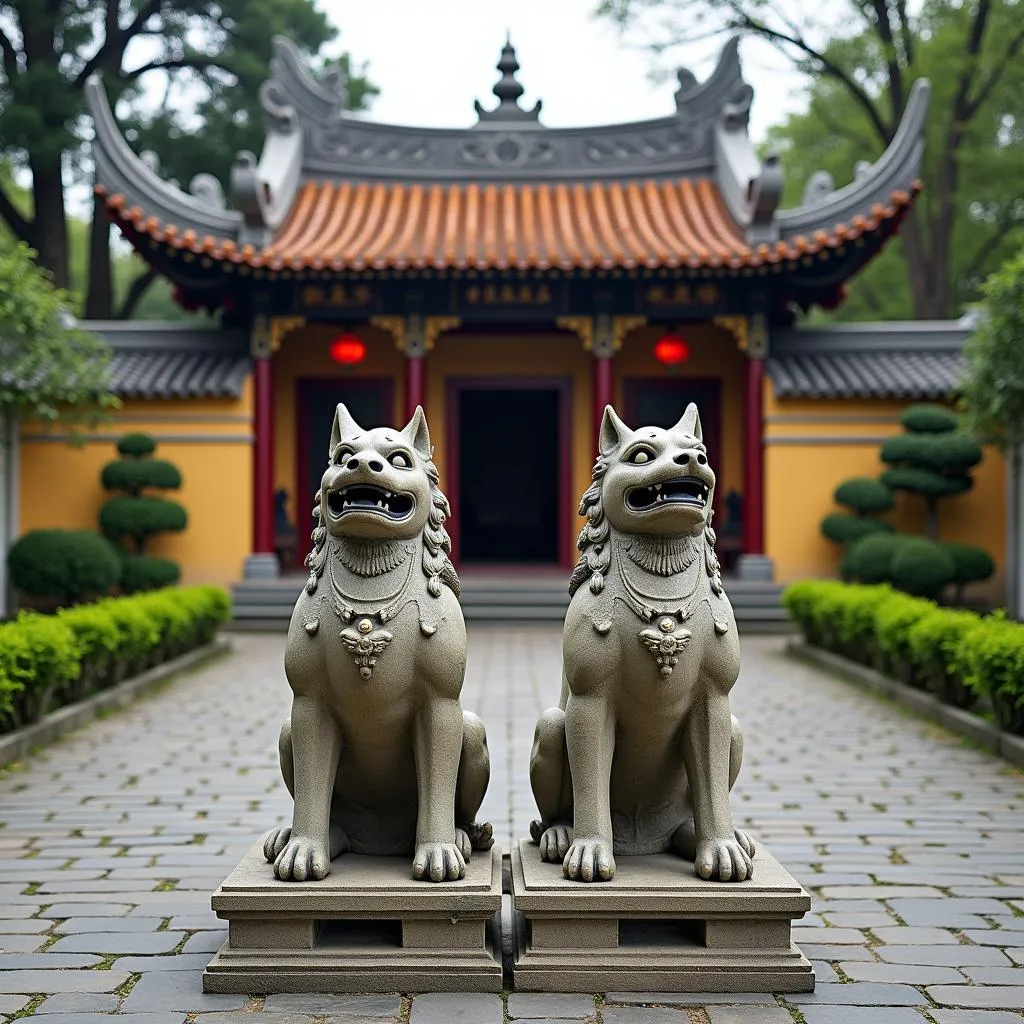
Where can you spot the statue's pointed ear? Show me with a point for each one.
(613, 431)
(344, 426)
(690, 423)
(417, 434)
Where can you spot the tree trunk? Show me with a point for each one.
(923, 296)
(1014, 531)
(50, 224)
(136, 293)
(99, 300)
(932, 518)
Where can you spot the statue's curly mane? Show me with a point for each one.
(595, 549)
(437, 545)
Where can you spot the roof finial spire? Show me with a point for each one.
(508, 90)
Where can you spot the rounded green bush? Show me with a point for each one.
(921, 567)
(136, 445)
(864, 494)
(67, 565)
(942, 453)
(40, 656)
(925, 482)
(970, 563)
(147, 572)
(844, 529)
(869, 560)
(138, 632)
(134, 475)
(994, 667)
(937, 642)
(139, 517)
(928, 419)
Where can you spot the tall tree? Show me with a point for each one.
(197, 53)
(862, 66)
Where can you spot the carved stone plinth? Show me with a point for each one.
(366, 927)
(656, 927)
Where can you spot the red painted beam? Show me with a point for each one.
(415, 384)
(263, 460)
(753, 459)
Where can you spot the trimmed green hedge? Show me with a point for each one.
(47, 661)
(958, 655)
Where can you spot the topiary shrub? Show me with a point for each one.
(132, 518)
(970, 565)
(936, 642)
(893, 621)
(865, 497)
(994, 667)
(869, 560)
(97, 640)
(921, 567)
(38, 660)
(63, 566)
(930, 460)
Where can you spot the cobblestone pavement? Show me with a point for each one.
(912, 843)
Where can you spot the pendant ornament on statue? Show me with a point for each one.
(666, 643)
(365, 645)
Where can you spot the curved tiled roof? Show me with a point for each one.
(866, 374)
(148, 374)
(363, 226)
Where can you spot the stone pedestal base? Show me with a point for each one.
(656, 927)
(366, 927)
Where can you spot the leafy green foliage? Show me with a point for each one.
(844, 529)
(44, 659)
(136, 445)
(861, 59)
(137, 516)
(133, 476)
(147, 572)
(864, 494)
(869, 560)
(928, 419)
(63, 565)
(993, 386)
(951, 454)
(923, 482)
(48, 369)
(959, 655)
(921, 567)
(971, 564)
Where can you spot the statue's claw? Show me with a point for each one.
(589, 860)
(555, 842)
(275, 841)
(480, 835)
(463, 843)
(723, 860)
(438, 862)
(302, 860)
(748, 844)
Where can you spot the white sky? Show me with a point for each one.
(432, 58)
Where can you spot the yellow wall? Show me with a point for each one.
(811, 446)
(60, 484)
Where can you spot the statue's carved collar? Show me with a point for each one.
(663, 556)
(371, 557)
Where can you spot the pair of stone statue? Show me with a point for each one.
(642, 751)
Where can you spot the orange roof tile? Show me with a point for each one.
(375, 225)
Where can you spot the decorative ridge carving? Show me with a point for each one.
(308, 95)
(121, 171)
(697, 99)
(895, 170)
(509, 91)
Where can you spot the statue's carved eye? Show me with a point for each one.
(640, 456)
(341, 454)
(400, 460)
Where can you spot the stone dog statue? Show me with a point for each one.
(378, 754)
(641, 754)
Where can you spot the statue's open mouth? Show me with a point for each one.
(685, 490)
(367, 498)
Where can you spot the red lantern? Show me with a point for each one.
(671, 350)
(348, 349)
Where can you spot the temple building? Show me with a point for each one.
(513, 279)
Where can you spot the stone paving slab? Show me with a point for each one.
(911, 843)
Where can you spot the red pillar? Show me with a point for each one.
(263, 460)
(415, 384)
(753, 459)
(604, 392)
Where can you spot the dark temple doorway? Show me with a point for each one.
(511, 466)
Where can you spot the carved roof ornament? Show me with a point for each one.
(509, 91)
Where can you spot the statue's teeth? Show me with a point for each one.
(657, 487)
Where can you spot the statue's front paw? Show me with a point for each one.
(555, 842)
(275, 841)
(723, 860)
(589, 860)
(438, 862)
(302, 860)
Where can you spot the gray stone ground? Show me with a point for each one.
(912, 843)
